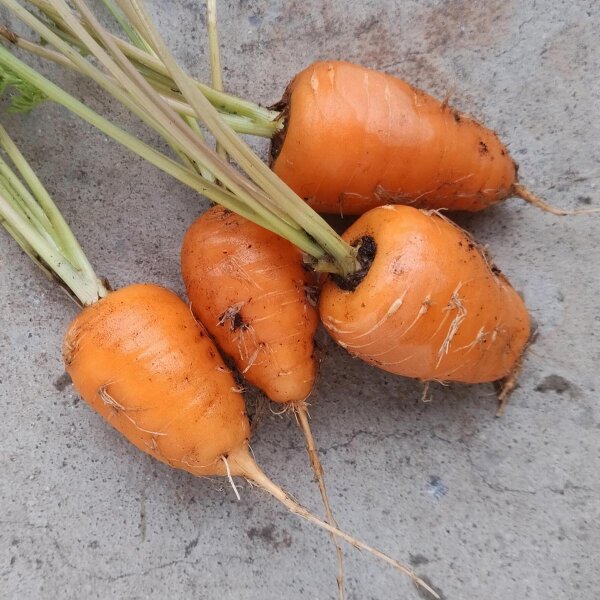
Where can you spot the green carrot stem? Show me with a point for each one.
(221, 100)
(131, 32)
(64, 236)
(166, 164)
(86, 290)
(284, 198)
(216, 75)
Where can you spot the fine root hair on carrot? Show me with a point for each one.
(302, 417)
(426, 397)
(525, 194)
(230, 478)
(247, 468)
(507, 387)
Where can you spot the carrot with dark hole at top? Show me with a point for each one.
(348, 138)
(429, 304)
(355, 138)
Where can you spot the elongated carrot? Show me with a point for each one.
(430, 304)
(257, 299)
(355, 139)
(138, 357)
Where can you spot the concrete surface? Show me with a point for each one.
(484, 507)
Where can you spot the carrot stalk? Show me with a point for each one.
(166, 164)
(216, 76)
(154, 67)
(268, 196)
(55, 249)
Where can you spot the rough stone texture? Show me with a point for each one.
(484, 507)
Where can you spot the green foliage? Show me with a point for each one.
(24, 97)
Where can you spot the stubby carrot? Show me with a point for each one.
(429, 303)
(355, 138)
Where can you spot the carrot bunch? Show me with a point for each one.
(406, 289)
(140, 359)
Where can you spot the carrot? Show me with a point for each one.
(138, 357)
(358, 138)
(355, 139)
(257, 299)
(429, 303)
(250, 289)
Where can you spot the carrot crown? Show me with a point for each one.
(260, 196)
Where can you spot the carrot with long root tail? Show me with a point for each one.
(138, 357)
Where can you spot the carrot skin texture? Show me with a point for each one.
(431, 306)
(141, 361)
(249, 288)
(356, 138)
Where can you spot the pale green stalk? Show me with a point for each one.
(87, 290)
(216, 74)
(221, 100)
(131, 32)
(166, 164)
(267, 196)
(343, 254)
(66, 241)
(172, 126)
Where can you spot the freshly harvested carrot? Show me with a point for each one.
(355, 138)
(347, 138)
(142, 362)
(428, 304)
(250, 289)
(139, 358)
(257, 299)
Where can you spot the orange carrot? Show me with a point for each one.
(354, 139)
(251, 290)
(429, 304)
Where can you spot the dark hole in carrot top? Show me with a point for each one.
(367, 248)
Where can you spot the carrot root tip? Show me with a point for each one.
(525, 194)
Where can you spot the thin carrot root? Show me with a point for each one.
(302, 415)
(507, 387)
(245, 466)
(522, 192)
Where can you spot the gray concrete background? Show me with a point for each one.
(484, 507)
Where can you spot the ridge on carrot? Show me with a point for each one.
(139, 358)
(324, 132)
